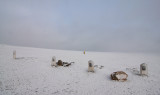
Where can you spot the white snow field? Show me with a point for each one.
(31, 73)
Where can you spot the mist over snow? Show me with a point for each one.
(92, 25)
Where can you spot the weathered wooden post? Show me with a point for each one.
(90, 66)
(143, 69)
(53, 63)
(14, 54)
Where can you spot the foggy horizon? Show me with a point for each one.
(91, 25)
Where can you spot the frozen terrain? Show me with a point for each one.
(31, 73)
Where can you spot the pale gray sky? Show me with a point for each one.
(93, 25)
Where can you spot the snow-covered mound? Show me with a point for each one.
(31, 73)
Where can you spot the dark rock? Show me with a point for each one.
(60, 63)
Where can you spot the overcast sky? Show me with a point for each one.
(91, 25)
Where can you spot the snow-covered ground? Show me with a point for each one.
(31, 73)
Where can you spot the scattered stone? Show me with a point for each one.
(101, 67)
(119, 76)
(66, 64)
(96, 66)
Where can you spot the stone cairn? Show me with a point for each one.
(53, 63)
(90, 66)
(143, 69)
(14, 54)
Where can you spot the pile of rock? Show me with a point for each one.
(59, 63)
(65, 64)
(119, 76)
